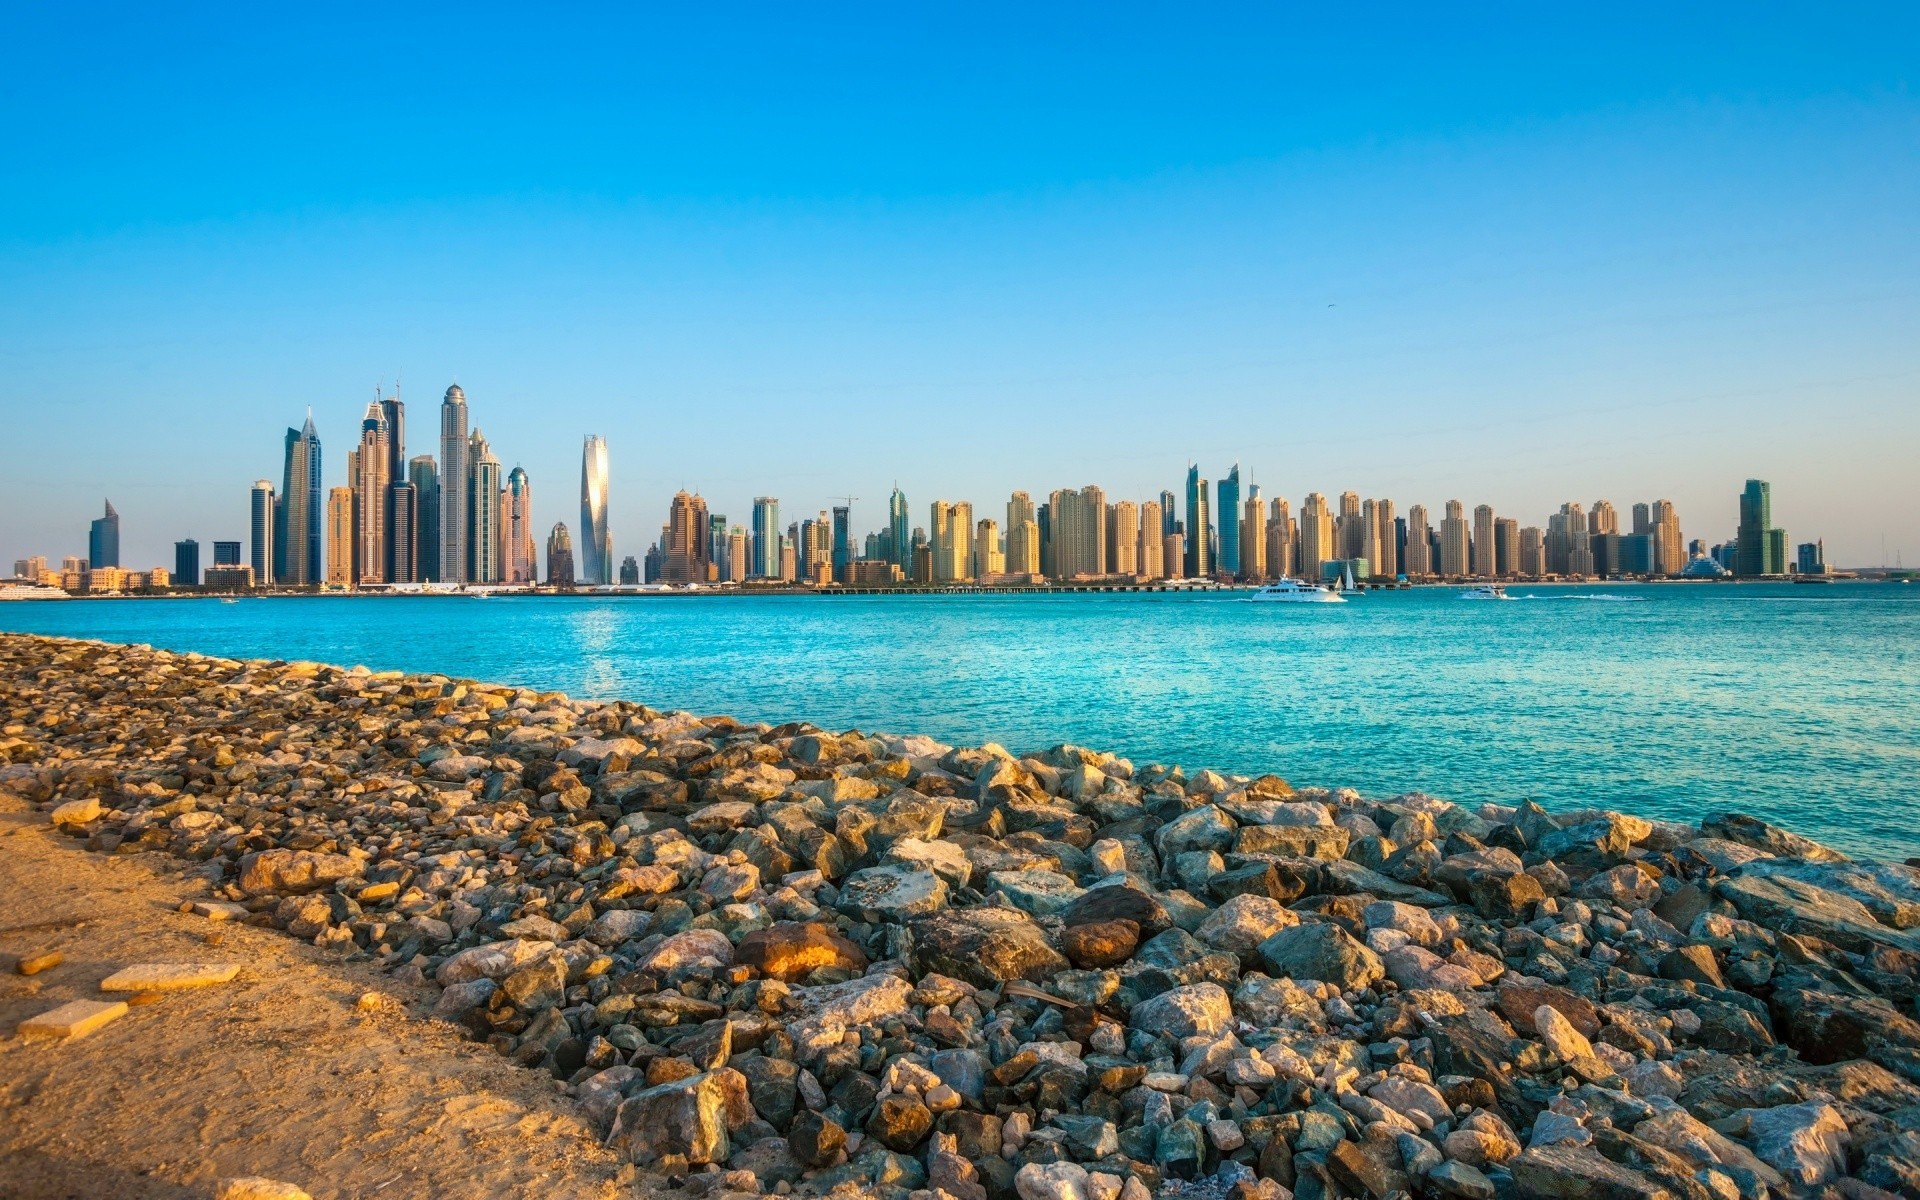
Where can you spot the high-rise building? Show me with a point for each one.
(485, 564)
(1456, 544)
(402, 532)
(1150, 560)
(1777, 550)
(1532, 555)
(298, 541)
(1350, 528)
(1506, 546)
(260, 526)
(629, 571)
(951, 541)
(373, 456)
(1281, 539)
(1023, 546)
(1199, 564)
(1123, 538)
(560, 556)
(1253, 537)
(1229, 515)
(1020, 510)
(843, 554)
(1169, 514)
(766, 536)
(1079, 520)
(716, 546)
(1485, 550)
(455, 488)
(684, 548)
(425, 478)
(339, 537)
(596, 537)
(1569, 547)
(226, 554)
(1316, 536)
(1173, 552)
(1669, 547)
(522, 564)
(988, 559)
(1419, 559)
(899, 536)
(789, 565)
(1754, 553)
(1603, 518)
(103, 538)
(186, 564)
(1811, 558)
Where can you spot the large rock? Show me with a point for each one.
(1198, 1008)
(1242, 923)
(1564, 1171)
(821, 1016)
(1293, 841)
(892, 893)
(689, 1117)
(1790, 905)
(284, 872)
(1753, 832)
(1119, 901)
(985, 946)
(1321, 951)
(1035, 890)
(793, 950)
(1807, 1143)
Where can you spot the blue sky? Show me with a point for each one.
(1516, 257)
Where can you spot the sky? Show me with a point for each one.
(1517, 256)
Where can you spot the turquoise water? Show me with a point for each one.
(1797, 704)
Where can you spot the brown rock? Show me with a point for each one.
(1519, 999)
(900, 1122)
(793, 950)
(1101, 944)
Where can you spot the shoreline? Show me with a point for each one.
(784, 957)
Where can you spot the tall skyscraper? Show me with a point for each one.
(339, 537)
(560, 556)
(1169, 516)
(103, 537)
(1199, 564)
(1079, 526)
(1023, 546)
(1419, 561)
(1485, 549)
(1282, 542)
(1123, 538)
(1316, 536)
(396, 415)
(1506, 546)
(988, 559)
(1150, 559)
(1229, 513)
(298, 547)
(1669, 547)
(186, 563)
(1533, 552)
(454, 487)
(1754, 547)
(425, 478)
(596, 536)
(1253, 537)
(842, 543)
(226, 554)
(684, 549)
(1456, 542)
(261, 527)
(522, 565)
(900, 537)
(765, 551)
(372, 458)
(485, 562)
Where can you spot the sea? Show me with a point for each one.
(1797, 704)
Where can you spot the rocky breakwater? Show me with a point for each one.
(781, 959)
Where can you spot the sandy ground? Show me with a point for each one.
(280, 1073)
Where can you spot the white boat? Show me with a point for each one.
(1292, 591)
(30, 591)
(1485, 591)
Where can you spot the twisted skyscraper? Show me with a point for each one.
(596, 540)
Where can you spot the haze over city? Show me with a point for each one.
(1508, 259)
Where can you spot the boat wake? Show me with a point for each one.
(1609, 598)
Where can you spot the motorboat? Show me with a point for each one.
(1485, 591)
(1292, 591)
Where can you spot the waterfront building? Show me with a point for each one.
(560, 556)
(372, 458)
(1811, 558)
(1253, 536)
(1199, 560)
(103, 538)
(629, 571)
(1282, 539)
(766, 536)
(1603, 518)
(1150, 560)
(1123, 538)
(1485, 552)
(596, 535)
(716, 546)
(1383, 539)
(186, 564)
(1419, 556)
(1316, 536)
(789, 568)
(843, 554)
(951, 540)
(1531, 556)
(1506, 546)
(737, 565)
(989, 560)
(298, 536)
(425, 478)
(455, 519)
(228, 577)
(226, 554)
(1777, 550)
(899, 537)
(684, 548)
(1349, 528)
(1568, 548)
(1079, 520)
(1754, 541)
(1456, 544)
(260, 526)
(1023, 546)
(402, 534)
(1669, 549)
(522, 565)
(1632, 553)
(1173, 553)
(1228, 490)
(339, 536)
(485, 562)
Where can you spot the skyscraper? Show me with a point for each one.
(454, 487)
(1316, 536)
(1253, 537)
(373, 457)
(1282, 544)
(1419, 543)
(1150, 562)
(261, 527)
(1754, 547)
(1123, 538)
(1199, 564)
(103, 537)
(1023, 546)
(1533, 554)
(596, 537)
(629, 571)
(766, 537)
(684, 541)
(842, 543)
(522, 565)
(1079, 526)
(988, 559)
(1669, 547)
(1456, 542)
(900, 538)
(186, 563)
(297, 534)
(560, 556)
(1169, 516)
(339, 537)
(485, 563)
(1484, 547)
(1229, 514)
(425, 478)
(226, 554)
(1506, 546)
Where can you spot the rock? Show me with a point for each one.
(1324, 952)
(815, 1140)
(1371, 1168)
(168, 977)
(1626, 885)
(1693, 964)
(1518, 998)
(1458, 1179)
(691, 948)
(285, 872)
(74, 1019)
(1052, 1181)
(76, 814)
(1202, 828)
(793, 950)
(822, 1015)
(687, 1117)
(1242, 923)
(33, 964)
(1807, 1143)
(1559, 1036)
(900, 1122)
(255, 1187)
(1035, 890)
(1413, 967)
(1569, 1172)
(985, 947)
(1753, 832)
(1102, 944)
(1293, 841)
(1200, 1008)
(1119, 902)
(1826, 1027)
(895, 894)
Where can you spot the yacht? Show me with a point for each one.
(30, 591)
(1485, 591)
(1292, 591)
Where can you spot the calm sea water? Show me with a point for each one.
(1798, 704)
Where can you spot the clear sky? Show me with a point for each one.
(1526, 254)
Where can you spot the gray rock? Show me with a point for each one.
(1324, 952)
